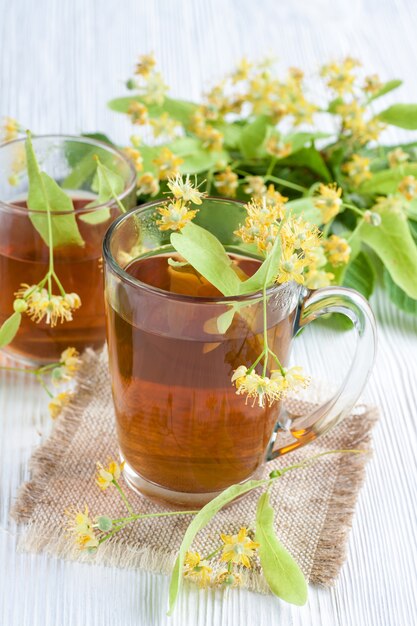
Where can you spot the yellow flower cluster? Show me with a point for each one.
(408, 187)
(237, 550)
(167, 163)
(82, 527)
(226, 182)
(9, 130)
(58, 403)
(278, 148)
(354, 125)
(357, 169)
(340, 77)
(151, 84)
(69, 364)
(51, 308)
(396, 157)
(176, 213)
(328, 201)
(135, 156)
(108, 475)
(147, 184)
(267, 390)
(337, 249)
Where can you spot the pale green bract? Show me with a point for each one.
(282, 573)
(109, 185)
(9, 328)
(44, 193)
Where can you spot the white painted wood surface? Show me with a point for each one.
(59, 63)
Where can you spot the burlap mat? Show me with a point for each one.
(314, 506)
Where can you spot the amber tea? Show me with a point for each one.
(179, 420)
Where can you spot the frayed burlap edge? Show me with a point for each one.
(45, 459)
(331, 548)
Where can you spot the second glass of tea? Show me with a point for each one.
(24, 256)
(174, 342)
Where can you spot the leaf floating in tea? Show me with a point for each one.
(282, 573)
(44, 193)
(207, 255)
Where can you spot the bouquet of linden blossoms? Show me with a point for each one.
(256, 134)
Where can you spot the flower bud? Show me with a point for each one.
(372, 218)
(20, 305)
(104, 523)
(131, 84)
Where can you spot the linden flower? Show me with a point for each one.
(328, 201)
(185, 190)
(259, 211)
(291, 267)
(315, 258)
(259, 388)
(372, 84)
(108, 475)
(147, 184)
(274, 197)
(197, 569)
(135, 156)
(339, 76)
(175, 215)
(211, 137)
(242, 71)
(300, 234)
(397, 156)
(81, 525)
(238, 548)
(316, 279)
(408, 187)
(338, 250)
(58, 403)
(167, 163)
(277, 148)
(155, 89)
(228, 579)
(357, 169)
(164, 125)
(138, 113)
(53, 308)
(69, 364)
(226, 182)
(289, 379)
(255, 186)
(9, 130)
(145, 65)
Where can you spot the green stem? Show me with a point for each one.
(122, 495)
(42, 383)
(209, 181)
(353, 208)
(286, 183)
(265, 321)
(252, 367)
(210, 556)
(355, 230)
(271, 167)
(274, 356)
(59, 284)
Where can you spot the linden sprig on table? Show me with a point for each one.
(234, 553)
(259, 133)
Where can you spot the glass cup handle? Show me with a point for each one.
(350, 303)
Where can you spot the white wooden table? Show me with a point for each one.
(59, 64)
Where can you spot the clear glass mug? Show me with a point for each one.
(24, 256)
(184, 433)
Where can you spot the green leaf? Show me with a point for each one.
(224, 321)
(394, 244)
(401, 115)
(109, 184)
(398, 296)
(207, 255)
(100, 137)
(387, 181)
(81, 171)
(200, 521)
(305, 207)
(180, 110)
(334, 105)
(253, 136)
(282, 573)
(386, 88)
(44, 192)
(311, 159)
(266, 274)
(9, 329)
(360, 275)
(299, 140)
(231, 133)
